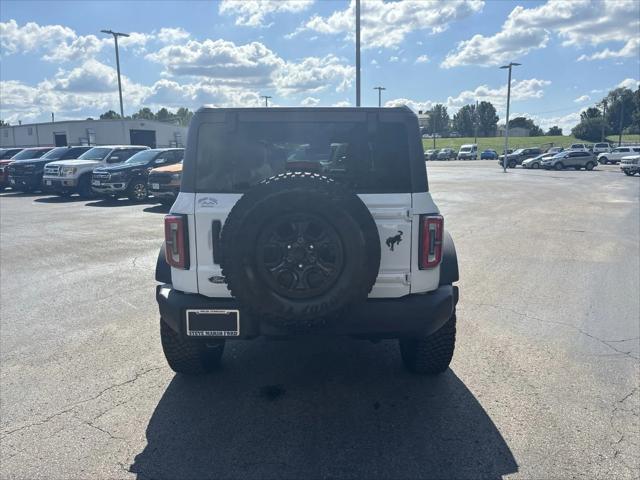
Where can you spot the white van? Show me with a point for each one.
(468, 152)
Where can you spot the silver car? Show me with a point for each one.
(630, 164)
(536, 162)
(570, 159)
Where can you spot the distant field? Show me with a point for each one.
(497, 143)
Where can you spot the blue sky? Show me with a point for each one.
(301, 52)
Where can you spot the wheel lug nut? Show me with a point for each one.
(289, 247)
(300, 265)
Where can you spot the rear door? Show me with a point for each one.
(383, 182)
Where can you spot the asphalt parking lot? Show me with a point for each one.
(544, 382)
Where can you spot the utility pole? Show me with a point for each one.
(621, 117)
(475, 117)
(357, 53)
(379, 95)
(433, 126)
(506, 125)
(604, 118)
(53, 118)
(266, 99)
(115, 37)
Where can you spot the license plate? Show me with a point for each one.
(155, 186)
(47, 182)
(96, 183)
(213, 323)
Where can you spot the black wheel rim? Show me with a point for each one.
(299, 256)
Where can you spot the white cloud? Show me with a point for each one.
(582, 99)
(172, 35)
(422, 59)
(630, 83)
(412, 104)
(520, 90)
(168, 93)
(253, 64)
(310, 102)
(342, 103)
(578, 22)
(630, 49)
(252, 13)
(394, 59)
(386, 24)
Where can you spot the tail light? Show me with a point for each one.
(176, 238)
(431, 233)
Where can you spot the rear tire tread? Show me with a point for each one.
(430, 355)
(188, 357)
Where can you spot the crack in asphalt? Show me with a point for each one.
(615, 445)
(583, 332)
(70, 408)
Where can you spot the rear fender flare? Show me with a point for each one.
(163, 270)
(449, 265)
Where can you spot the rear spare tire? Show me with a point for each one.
(299, 248)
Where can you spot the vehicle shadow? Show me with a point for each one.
(108, 202)
(16, 193)
(57, 199)
(159, 208)
(322, 409)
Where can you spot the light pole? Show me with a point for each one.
(379, 95)
(604, 117)
(506, 125)
(266, 99)
(475, 130)
(115, 37)
(621, 117)
(357, 53)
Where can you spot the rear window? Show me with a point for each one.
(233, 161)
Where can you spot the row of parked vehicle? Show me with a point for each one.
(107, 171)
(577, 156)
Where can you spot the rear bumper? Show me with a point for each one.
(164, 191)
(413, 315)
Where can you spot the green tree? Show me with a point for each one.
(3, 123)
(184, 116)
(487, 119)
(527, 123)
(464, 121)
(438, 119)
(110, 115)
(620, 100)
(589, 113)
(589, 129)
(144, 114)
(554, 131)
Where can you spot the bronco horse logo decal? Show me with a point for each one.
(395, 240)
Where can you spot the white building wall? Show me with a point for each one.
(94, 132)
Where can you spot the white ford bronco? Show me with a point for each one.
(305, 221)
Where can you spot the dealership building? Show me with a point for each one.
(94, 132)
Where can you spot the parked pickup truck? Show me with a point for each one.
(21, 154)
(66, 177)
(164, 183)
(26, 175)
(630, 164)
(129, 179)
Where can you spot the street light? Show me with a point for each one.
(266, 99)
(357, 53)
(506, 129)
(115, 37)
(379, 95)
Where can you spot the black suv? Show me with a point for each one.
(26, 175)
(519, 156)
(129, 179)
